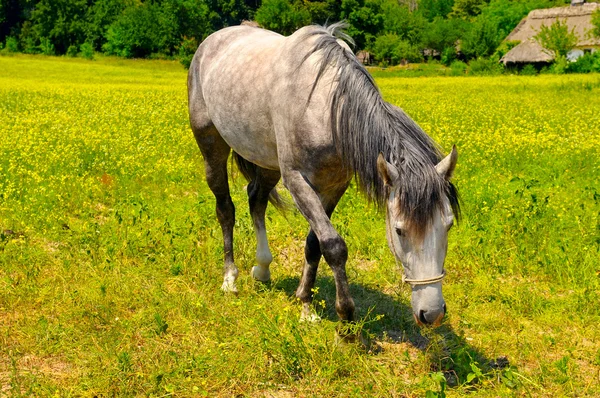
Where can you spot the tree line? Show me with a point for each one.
(393, 31)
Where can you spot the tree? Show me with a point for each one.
(282, 16)
(57, 23)
(100, 16)
(365, 18)
(398, 19)
(481, 39)
(442, 34)
(557, 38)
(432, 9)
(12, 15)
(391, 49)
(467, 9)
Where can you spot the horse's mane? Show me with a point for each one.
(364, 125)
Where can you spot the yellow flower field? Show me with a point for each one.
(111, 254)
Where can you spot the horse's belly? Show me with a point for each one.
(255, 145)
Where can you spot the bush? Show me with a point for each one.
(390, 48)
(140, 31)
(12, 45)
(448, 56)
(528, 70)
(46, 46)
(87, 51)
(458, 68)
(72, 51)
(485, 67)
(587, 63)
(560, 65)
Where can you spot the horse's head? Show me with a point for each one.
(422, 251)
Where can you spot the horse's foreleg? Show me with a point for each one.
(330, 243)
(258, 197)
(312, 256)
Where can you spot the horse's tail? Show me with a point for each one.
(248, 170)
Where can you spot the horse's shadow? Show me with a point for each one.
(448, 351)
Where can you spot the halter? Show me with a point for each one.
(415, 282)
(422, 282)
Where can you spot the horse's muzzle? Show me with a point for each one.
(430, 318)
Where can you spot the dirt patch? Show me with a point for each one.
(49, 367)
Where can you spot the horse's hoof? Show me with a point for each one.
(347, 333)
(309, 315)
(261, 274)
(229, 286)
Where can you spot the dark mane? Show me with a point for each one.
(364, 125)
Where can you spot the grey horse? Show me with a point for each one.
(302, 108)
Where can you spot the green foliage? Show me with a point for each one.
(448, 56)
(72, 51)
(12, 45)
(528, 70)
(46, 46)
(439, 379)
(186, 51)
(467, 9)
(485, 67)
(587, 63)
(365, 18)
(100, 16)
(557, 38)
(164, 28)
(560, 65)
(86, 50)
(458, 68)
(141, 31)
(444, 33)
(481, 39)
(61, 22)
(432, 9)
(13, 13)
(391, 49)
(398, 19)
(282, 16)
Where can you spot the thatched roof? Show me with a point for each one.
(577, 18)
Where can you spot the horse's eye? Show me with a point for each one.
(399, 231)
(450, 226)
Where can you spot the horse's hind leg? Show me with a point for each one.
(258, 195)
(216, 152)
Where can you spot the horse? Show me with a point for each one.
(303, 109)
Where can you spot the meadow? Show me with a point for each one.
(111, 254)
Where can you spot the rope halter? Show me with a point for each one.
(423, 282)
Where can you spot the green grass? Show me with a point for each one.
(111, 254)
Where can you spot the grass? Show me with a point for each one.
(110, 252)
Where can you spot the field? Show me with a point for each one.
(111, 254)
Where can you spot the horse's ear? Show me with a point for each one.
(387, 171)
(446, 166)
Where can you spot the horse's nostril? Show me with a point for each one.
(422, 318)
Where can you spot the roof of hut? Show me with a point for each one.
(577, 18)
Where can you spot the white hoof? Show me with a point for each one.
(309, 315)
(228, 285)
(261, 274)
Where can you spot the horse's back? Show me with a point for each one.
(253, 85)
